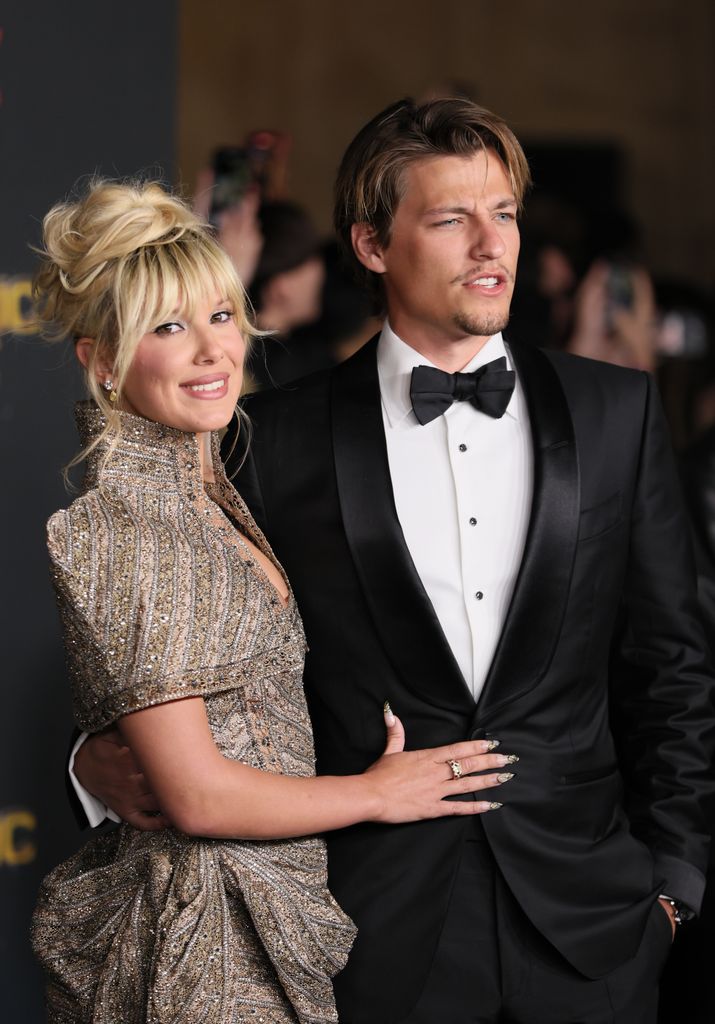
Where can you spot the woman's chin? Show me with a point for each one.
(204, 418)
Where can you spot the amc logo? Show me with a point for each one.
(17, 827)
(16, 305)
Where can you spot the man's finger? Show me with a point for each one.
(138, 780)
(147, 822)
(147, 803)
(113, 747)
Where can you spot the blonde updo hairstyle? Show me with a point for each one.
(118, 262)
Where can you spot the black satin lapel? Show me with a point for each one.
(538, 605)
(402, 612)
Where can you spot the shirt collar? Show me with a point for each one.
(396, 360)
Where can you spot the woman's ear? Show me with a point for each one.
(84, 350)
(366, 247)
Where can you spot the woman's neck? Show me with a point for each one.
(205, 457)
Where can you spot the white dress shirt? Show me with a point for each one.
(94, 809)
(463, 486)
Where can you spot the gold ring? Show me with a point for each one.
(456, 769)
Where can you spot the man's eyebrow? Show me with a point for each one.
(502, 204)
(448, 209)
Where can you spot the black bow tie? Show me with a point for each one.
(489, 389)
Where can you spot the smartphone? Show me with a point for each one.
(232, 178)
(619, 291)
(238, 168)
(620, 286)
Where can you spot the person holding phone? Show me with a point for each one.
(182, 631)
(615, 316)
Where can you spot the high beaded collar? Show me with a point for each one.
(148, 455)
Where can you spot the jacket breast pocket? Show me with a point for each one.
(595, 774)
(591, 801)
(600, 518)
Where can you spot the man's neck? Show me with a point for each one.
(449, 354)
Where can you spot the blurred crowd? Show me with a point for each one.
(583, 285)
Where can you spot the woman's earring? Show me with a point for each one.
(108, 385)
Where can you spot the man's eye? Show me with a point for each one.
(447, 222)
(505, 217)
(171, 328)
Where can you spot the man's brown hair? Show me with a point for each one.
(370, 181)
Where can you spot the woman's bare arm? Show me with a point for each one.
(203, 793)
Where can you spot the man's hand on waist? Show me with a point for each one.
(106, 767)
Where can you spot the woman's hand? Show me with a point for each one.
(412, 785)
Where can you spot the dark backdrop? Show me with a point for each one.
(84, 87)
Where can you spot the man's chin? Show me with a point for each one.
(481, 326)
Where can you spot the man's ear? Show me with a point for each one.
(84, 350)
(366, 247)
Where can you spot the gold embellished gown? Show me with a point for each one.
(160, 601)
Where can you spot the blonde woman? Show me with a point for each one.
(181, 627)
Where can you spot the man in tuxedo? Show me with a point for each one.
(490, 537)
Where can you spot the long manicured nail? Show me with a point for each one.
(505, 776)
(495, 805)
(387, 711)
(492, 745)
(504, 759)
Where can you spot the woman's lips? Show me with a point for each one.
(207, 388)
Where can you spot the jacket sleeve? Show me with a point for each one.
(242, 467)
(662, 686)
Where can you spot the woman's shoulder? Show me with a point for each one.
(67, 529)
(95, 520)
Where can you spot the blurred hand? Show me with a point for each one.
(239, 232)
(635, 327)
(105, 766)
(615, 334)
(238, 228)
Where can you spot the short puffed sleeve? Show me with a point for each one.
(152, 615)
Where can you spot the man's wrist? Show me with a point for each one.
(95, 811)
(682, 913)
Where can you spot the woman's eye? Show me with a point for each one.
(171, 328)
(222, 316)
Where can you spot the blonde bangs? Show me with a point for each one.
(168, 280)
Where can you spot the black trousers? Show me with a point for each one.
(493, 966)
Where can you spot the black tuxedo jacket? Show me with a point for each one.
(599, 681)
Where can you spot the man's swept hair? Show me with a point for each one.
(370, 182)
